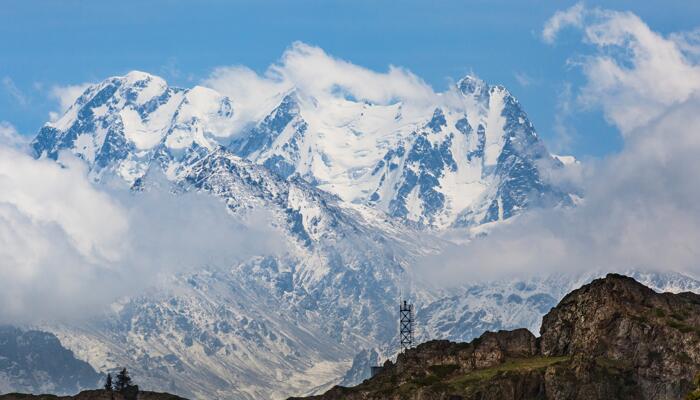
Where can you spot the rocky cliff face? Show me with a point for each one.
(657, 336)
(36, 361)
(611, 339)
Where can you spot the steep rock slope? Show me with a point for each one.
(273, 323)
(612, 338)
(36, 361)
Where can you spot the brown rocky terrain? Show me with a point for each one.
(611, 339)
(93, 395)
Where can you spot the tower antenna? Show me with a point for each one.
(406, 325)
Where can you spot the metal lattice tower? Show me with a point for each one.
(406, 325)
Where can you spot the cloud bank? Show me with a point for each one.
(635, 74)
(314, 73)
(641, 206)
(9, 136)
(69, 249)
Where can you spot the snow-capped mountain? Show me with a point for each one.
(125, 124)
(272, 325)
(349, 184)
(269, 325)
(472, 157)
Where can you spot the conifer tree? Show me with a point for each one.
(123, 380)
(108, 383)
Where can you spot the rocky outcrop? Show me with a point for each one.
(654, 336)
(611, 339)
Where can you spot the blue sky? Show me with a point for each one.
(47, 43)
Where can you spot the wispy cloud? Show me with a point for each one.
(321, 76)
(638, 74)
(565, 131)
(524, 79)
(562, 19)
(16, 93)
(635, 73)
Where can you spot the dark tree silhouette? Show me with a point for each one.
(108, 383)
(123, 380)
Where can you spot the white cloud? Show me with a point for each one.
(318, 75)
(565, 132)
(10, 137)
(14, 91)
(635, 73)
(524, 79)
(688, 42)
(562, 19)
(69, 249)
(51, 239)
(640, 208)
(314, 71)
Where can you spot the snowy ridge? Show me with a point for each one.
(471, 158)
(453, 163)
(123, 123)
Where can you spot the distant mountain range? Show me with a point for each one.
(471, 158)
(360, 191)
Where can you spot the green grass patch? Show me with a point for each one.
(443, 370)
(512, 365)
(685, 328)
(659, 312)
(640, 318)
(694, 395)
(679, 316)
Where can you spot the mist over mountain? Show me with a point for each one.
(351, 184)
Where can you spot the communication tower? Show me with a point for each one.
(406, 325)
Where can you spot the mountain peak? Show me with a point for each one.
(137, 76)
(473, 85)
